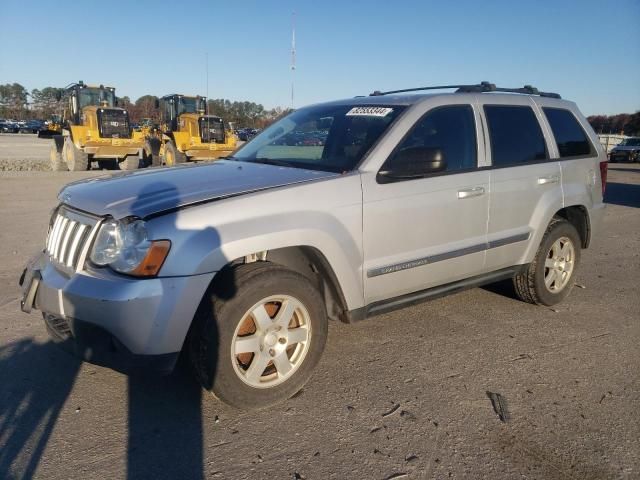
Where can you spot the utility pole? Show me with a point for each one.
(206, 102)
(293, 54)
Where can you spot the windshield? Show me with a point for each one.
(190, 105)
(95, 96)
(331, 138)
(630, 142)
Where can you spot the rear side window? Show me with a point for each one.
(515, 134)
(569, 135)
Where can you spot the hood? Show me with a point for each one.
(626, 148)
(147, 192)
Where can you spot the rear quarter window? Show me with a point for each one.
(515, 135)
(570, 137)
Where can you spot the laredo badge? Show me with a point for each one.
(369, 112)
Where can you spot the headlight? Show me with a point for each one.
(123, 245)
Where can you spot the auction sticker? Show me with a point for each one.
(369, 112)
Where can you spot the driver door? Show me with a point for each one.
(423, 232)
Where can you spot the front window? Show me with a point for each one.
(190, 105)
(450, 130)
(332, 138)
(95, 96)
(630, 142)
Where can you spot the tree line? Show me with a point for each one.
(16, 102)
(621, 124)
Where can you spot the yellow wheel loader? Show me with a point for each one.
(95, 129)
(188, 133)
(53, 127)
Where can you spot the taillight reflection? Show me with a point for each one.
(603, 175)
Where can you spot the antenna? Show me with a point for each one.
(293, 54)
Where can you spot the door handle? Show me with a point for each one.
(470, 192)
(551, 179)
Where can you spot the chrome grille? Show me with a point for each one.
(69, 236)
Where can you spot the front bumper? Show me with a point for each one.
(112, 320)
(207, 152)
(109, 151)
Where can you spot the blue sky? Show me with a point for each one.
(588, 51)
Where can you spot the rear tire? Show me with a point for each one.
(550, 277)
(255, 360)
(172, 156)
(56, 161)
(130, 162)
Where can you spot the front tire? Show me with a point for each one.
(173, 156)
(76, 159)
(550, 277)
(258, 335)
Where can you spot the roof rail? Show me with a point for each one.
(482, 87)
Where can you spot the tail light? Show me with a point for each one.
(603, 175)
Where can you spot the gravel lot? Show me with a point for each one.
(400, 394)
(27, 152)
(23, 151)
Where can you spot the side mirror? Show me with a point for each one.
(414, 162)
(58, 95)
(115, 102)
(156, 103)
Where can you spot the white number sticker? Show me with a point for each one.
(369, 112)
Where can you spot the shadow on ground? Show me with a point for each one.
(624, 194)
(164, 419)
(36, 380)
(165, 426)
(625, 170)
(503, 288)
(164, 414)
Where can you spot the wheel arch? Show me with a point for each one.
(578, 216)
(310, 262)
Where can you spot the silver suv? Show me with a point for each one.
(340, 211)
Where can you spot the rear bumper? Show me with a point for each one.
(113, 320)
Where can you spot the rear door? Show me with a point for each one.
(579, 155)
(525, 182)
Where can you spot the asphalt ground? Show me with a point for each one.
(403, 395)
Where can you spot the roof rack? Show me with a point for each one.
(482, 87)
